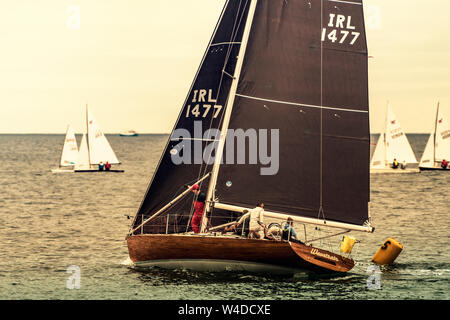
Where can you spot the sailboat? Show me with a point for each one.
(393, 145)
(438, 145)
(94, 148)
(69, 153)
(294, 72)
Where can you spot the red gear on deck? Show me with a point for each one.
(199, 208)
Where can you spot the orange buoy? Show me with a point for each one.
(388, 252)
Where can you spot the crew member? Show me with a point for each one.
(395, 164)
(199, 208)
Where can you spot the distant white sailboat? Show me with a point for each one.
(438, 145)
(95, 149)
(69, 153)
(392, 146)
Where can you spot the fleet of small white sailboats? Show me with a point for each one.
(437, 149)
(393, 146)
(95, 154)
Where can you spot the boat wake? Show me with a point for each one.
(127, 262)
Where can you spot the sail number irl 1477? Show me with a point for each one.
(202, 104)
(340, 30)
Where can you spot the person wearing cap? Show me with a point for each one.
(199, 208)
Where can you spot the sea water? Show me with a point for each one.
(63, 235)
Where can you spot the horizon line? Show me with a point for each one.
(160, 133)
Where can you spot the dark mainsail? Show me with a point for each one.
(305, 74)
(202, 110)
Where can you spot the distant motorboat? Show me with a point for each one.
(129, 133)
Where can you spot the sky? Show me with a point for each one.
(133, 62)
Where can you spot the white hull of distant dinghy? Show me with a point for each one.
(390, 170)
(63, 171)
(433, 169)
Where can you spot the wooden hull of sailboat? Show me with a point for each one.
(433, 169)
(219, 253)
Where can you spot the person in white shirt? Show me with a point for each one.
(257, 227)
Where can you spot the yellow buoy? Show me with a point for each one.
(388, 252)
(347, 244)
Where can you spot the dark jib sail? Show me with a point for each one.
(181, 163)
(305, 74)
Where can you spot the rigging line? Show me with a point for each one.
(302, 104)
(223, 43)
(225, 63)
(224, 119)
(202, 170)
(236, 26)
(192, 139)
(230, 48)
(321, 114)
(179, 115)
(348, 2)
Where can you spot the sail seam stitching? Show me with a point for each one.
(222, 43)
(359, 4)
(301, 104)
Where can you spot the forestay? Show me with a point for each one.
(182, 161)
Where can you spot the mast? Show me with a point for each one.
(434, 137)
(87, 133)
(385, 133)
(202, 110)
(228, 110)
